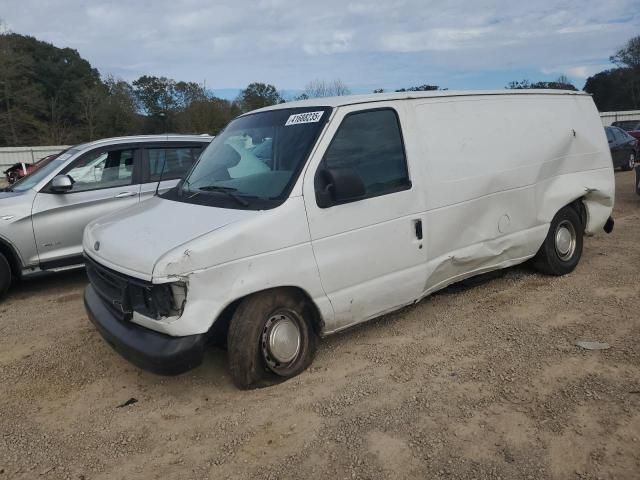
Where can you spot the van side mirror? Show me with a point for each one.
(61, 184)
(338, 185)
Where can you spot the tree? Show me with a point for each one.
(561, 83)
(40, 91)
(155, 95)
(258, 95)
(91, 99)
(421, 88)
(615, 89)
(618, 88)
(629, 55)
(117, 112)
(208, 115)
(323, 88)
(379, 90)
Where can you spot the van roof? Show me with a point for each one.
(383, 97)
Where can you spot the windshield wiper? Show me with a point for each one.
(229, 191)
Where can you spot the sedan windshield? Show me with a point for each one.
(254, 162)
(43, 170)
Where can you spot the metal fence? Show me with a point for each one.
(11, 155)
(609, 117)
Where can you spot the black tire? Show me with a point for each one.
(550, 259)
(630, 162)
(5, 275)
(251, 362)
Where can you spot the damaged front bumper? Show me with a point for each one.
(150, 350)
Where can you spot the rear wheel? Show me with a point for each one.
(630, 163)
(5, 275)
(270, 338)
(562, 248)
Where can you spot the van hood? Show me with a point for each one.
(133, 240)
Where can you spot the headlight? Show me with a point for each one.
(158, 301)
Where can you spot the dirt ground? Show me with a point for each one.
(473, 382)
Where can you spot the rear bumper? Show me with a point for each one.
(147, 349)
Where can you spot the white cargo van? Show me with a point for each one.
(302, 219)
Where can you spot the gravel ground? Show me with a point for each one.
(473, 382)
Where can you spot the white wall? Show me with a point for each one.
(609, 117)
(11, 155)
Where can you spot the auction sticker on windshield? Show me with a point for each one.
(298, 118)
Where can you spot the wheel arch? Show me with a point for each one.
(12, 256)
(218, 331)
(590, 193)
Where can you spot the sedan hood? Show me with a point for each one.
(133, 240)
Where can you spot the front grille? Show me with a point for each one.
(112, 287)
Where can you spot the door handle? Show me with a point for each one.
(417, 224)
(126, 194)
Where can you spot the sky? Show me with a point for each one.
(480, 44)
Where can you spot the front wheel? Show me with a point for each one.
(5, 275)
(562, 248)
(631, 162)
(270, 338)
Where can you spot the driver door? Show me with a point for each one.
(105, 180)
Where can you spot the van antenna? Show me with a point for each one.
(164, 162)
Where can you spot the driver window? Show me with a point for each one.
(98, 170)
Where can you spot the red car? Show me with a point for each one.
(632, 127)
(18, 170)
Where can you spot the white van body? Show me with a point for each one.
(488, 171)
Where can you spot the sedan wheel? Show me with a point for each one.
(631, 162)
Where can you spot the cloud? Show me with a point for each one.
(288, 42)
(435, 39)
(579, 72)
(339, 42)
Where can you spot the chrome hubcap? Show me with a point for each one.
(565, 240)
(281, 341)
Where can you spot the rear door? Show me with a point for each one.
(105, 179)
(167, 163)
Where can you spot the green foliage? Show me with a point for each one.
(421, 88)
(562, 83)
(629, 55)
(40, 89)
(618, 88)
(258, 95)
(615, 89)
(50, 95)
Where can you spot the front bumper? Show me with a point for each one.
(147, 349)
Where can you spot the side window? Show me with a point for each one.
(609, 135)
(98, 170)
(622, 135)
(170, 163)
(370, 143)
(615, 134)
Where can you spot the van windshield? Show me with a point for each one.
(254, 162)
